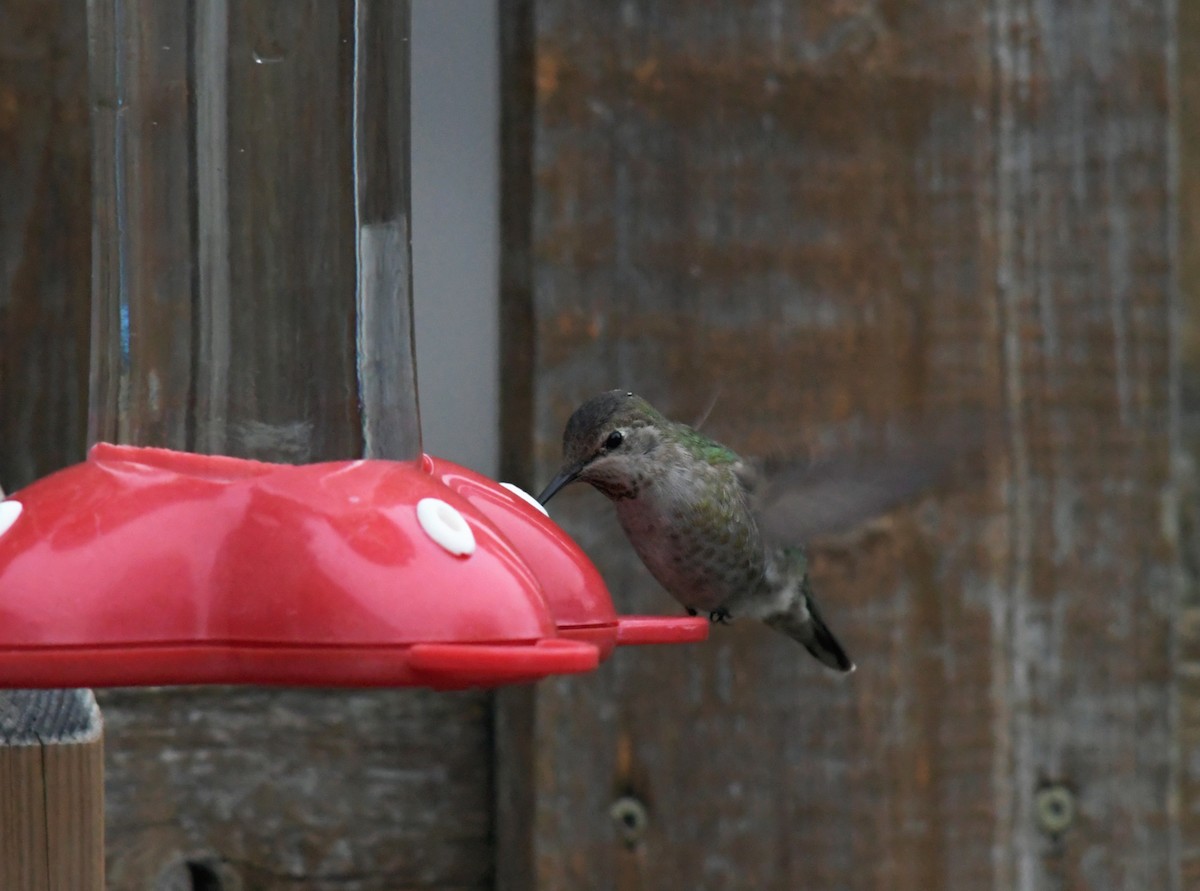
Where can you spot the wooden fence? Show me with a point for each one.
(833, 217)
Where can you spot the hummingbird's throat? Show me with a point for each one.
(616, 490)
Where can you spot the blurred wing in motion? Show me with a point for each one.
(798, 501)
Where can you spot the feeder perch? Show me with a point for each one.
(151, 566)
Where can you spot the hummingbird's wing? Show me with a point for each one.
(800, 503)
(795, 502)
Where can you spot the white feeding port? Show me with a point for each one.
(9, 511)
(521, 493)
(446, 526)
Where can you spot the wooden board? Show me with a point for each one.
(834, 217)
(45, 238)
(1187, 735)
(52, 777)
(286, 788)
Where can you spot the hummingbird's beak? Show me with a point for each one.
(564, 476)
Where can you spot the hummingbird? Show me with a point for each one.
(724, 535)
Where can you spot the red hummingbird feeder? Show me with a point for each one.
(152, 566)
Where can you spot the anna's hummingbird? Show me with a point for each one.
(719, 532)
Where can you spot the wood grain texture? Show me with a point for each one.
(837, 217)
(31, 717)
(345, 790)
(1088, 350)
(514, 749)
(52, 777)
(45, 237)
(1187, 735)
(517, 340)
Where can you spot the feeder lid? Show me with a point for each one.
(150, 566)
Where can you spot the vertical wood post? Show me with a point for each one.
(51, 791)
(513, 709)
(1187, 668)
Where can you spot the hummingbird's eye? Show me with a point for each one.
(614, 439)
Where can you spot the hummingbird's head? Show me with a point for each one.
(609, 442)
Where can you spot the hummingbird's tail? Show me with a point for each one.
(803, 624)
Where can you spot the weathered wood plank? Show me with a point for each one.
(1187, 731)
(45, 237)
(52, 776)
(1083, 171)
(514, 744)
(838, 217)
(333, 789)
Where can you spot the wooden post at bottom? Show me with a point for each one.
(51, 791)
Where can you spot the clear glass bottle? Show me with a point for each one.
(251, 258)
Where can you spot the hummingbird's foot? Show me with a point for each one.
(720, 616)
(690, 610)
